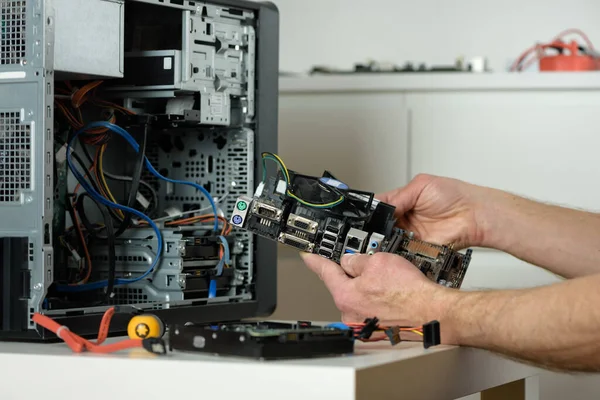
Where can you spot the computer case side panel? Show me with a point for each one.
(266, 141)
(26, 163)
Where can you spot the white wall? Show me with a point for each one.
(549, 137)
(339, 33)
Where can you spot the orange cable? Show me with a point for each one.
(79, 344)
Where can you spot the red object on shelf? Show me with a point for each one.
(572, 58)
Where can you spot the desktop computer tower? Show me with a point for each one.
(128, 129)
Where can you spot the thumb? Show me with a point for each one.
(330, 273)
(355, 264)
(405, 198)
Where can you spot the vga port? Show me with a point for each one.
(300, 244)
(302, 223)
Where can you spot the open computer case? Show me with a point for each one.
(162, 107)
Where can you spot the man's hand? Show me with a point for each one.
(554, 326)
(440, 210)
(447, 211)
(383, 285)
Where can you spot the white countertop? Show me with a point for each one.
(454, 81)
(376, 371)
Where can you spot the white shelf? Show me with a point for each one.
(451, 81)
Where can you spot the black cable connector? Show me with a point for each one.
(431, 334)
(371, 325)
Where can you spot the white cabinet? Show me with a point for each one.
(536, 135)
(538, 138)
(543, 145)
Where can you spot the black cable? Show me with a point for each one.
(86, 152)
(154, 203)
(110, 238)
(85, 168)
(92, 181)
(81, 163)
(135, 183)
(84, 219)
(80, 239)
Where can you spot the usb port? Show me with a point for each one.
(325, 253)
(333, 230)
(329, 237)
(328, 245)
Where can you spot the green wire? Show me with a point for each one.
(288, 192)
(264, 161)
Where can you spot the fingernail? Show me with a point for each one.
(346, 258)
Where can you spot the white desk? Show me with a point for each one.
(376, 371)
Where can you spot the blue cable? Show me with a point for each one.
(339, 325)
(225, 258)
(102, 200)
(127, 136)
(212, 289)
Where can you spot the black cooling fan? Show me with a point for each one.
(311, 190)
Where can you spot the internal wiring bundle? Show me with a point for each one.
(101, 199)
(116, 217)
(371, 331)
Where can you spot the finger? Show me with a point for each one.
(355, 264)
(386, 197)
(330, 273)
(405, 198)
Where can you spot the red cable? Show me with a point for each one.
(79, 344)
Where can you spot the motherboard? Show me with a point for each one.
(322, 215)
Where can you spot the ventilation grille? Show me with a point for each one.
(126, 296)
(13, 31)
(129, 296)
(15, 157)
(122, 259)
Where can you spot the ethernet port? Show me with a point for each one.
(353, 243)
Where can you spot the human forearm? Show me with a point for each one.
(554, 326)
(562, 240)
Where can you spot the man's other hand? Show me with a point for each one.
(441, 210)
(382, 285)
